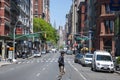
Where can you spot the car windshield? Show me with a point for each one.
(88, 56)
(79, 55)
(104, 58)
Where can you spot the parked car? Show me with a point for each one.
(69, 52)
(87, 59)
(37, 53)
(77, 58)
(102, 61)
(43, 52)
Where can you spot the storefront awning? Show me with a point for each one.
(4, 37)
(24, 37)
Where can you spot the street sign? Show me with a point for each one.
(115, 5)
(10, 56)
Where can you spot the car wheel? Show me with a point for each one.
(92, 68)
(75, 61)
(111, 71)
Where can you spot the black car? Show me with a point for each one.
(77, 58)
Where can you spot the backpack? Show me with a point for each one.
(59, 60)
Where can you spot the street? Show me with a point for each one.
(46, 68)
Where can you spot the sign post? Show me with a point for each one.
(10, 53)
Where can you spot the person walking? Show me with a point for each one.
(61, 65)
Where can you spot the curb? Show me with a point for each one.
(5, 64)
(118, 72)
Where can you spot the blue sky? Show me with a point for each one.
(58, 11)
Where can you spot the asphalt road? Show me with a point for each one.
(46, 68)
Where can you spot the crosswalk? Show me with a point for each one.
(39, 60)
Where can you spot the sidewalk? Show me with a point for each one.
(118, 72)
(4, 63)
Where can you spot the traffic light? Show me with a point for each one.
(45, 35)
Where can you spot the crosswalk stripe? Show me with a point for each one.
(46, 60)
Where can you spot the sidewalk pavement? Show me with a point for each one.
(118, 72)
(4, 63)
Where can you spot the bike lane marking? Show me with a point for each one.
(77, 71)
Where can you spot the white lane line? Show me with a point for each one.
(56, 61)
(43, 69)
(51, 61)
(19, 62)
(77, 71)
(38, 61)
(38, 74)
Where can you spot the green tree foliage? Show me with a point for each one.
(41, 25)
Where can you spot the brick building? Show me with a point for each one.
(4, 17)
(4, 25)
(41, 9)
(82, 17)
(104, 32)
(38, 8)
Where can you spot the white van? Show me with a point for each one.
(102, 61)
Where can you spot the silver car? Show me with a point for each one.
(87, 59)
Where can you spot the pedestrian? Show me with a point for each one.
(61, 65)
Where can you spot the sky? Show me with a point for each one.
(58, 11)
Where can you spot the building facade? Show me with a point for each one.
(4, 25)
(41, 9)
(104, 32)
(38, 8)
(24, 17)
(46, 10)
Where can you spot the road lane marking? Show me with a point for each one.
(77, 71)
(43, 69)
(38, 74)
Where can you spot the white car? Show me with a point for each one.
(37, 54)
(43, 52)
(87, 59)
(102, 61)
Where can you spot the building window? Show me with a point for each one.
(36, 12)
(107, 8)
(36, 1)
(109, 24)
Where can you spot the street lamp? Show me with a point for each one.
(13, 57)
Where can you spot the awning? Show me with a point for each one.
(24, 37)
(5, 37)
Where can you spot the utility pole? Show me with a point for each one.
(90, 41)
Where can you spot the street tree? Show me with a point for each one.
(48, 33)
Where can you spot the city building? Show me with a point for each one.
(82, 18)
(31, 16)
(4, 25)
(24, 17)
(38, 8)
(46, 10)
(69, 27)
(104, 21)
(41, 9)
